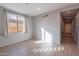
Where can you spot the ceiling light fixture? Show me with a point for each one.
(68, 11)
(38, 8)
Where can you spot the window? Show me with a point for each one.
(12, 23)
(21, 24)
(15, 23)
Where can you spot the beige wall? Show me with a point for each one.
(67, 28)
(77, 28)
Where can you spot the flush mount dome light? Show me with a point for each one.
(38, 8)
(68, 11)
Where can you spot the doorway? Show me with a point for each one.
(68, 26)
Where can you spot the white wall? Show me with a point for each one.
(13, 37)
(51, 24)
(2, 21)
(29, 25)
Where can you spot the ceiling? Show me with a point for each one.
(69, 15)
(34, 9)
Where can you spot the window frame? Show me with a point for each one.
(17, 16)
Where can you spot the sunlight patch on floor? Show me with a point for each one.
(46, 50)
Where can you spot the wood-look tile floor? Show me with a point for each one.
(39, 48)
